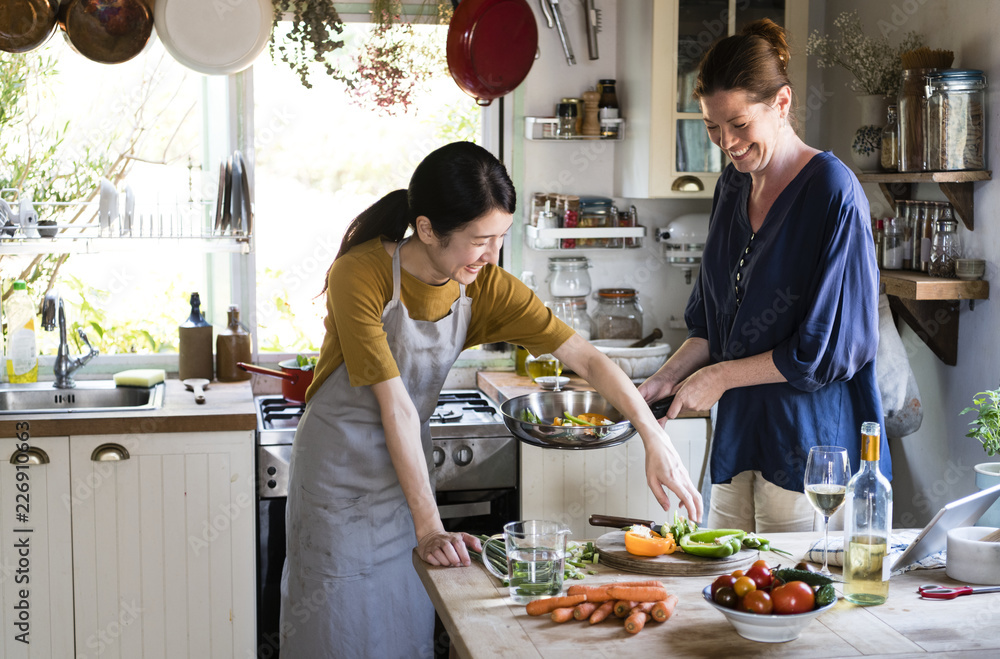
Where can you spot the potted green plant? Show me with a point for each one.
(986, 428)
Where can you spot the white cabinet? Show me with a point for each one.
(149, 543)
(660, 45)
(570, 486)
(36, 558)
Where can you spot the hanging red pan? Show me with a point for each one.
(491, 46)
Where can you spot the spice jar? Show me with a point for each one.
(956, 120)
(573, 312)
(618, 314)
(912, 108)
(892, 245)
(946, 249)
(890, 140)
(569, 276)
(566, 113)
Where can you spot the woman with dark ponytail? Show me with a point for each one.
(415, 282)
(783, 320)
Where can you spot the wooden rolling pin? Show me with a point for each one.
(642, 343)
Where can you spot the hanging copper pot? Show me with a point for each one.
(26, 24)
(107, 31)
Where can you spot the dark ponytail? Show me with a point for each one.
(452, 186)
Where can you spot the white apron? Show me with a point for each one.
(348, 588)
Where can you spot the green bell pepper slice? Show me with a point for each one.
(713, 543)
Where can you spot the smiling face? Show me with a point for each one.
(463, 253)
(749, 132)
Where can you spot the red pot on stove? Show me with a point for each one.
(295, 379)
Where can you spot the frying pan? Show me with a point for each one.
(294, 378)
(550, 404)
(27, 24)
(107, 31)
(491, 46)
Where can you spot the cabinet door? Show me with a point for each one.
(163, 542)
(36, 577)
(570, 486)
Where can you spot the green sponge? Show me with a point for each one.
(140, 377)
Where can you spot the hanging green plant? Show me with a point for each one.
(313, 37)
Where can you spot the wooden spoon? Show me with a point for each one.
(642, 343)
(198, 386)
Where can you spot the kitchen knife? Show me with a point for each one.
(622, 522)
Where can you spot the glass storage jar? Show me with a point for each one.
(573, 312)
(618, 314)
(568, 276)
(946, 249)
(892, 245)
(890, 140)
(912, 109)
(956, 120)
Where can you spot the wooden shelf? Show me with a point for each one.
(931, 305)
(956, 186)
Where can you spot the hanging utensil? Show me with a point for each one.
(593, 16)
(554, 18)
(27, 24)
(109, 31)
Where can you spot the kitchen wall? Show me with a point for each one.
(934, 465)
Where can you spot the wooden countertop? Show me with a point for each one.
(502, 385)
(483, 622)
(228, 406)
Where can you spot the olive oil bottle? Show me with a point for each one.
(867, 525)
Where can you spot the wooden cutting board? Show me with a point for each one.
(612, 550)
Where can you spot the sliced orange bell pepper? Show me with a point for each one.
(642, 541)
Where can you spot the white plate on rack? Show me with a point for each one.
(214, 38)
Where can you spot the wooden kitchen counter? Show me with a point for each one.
(502, 385)
(483, 622)
(228, 406)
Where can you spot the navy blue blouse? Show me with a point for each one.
(805, 286)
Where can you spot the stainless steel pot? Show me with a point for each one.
(552, 404)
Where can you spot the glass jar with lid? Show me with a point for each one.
(956, 120)
(569, 276)
(946, 248)
(573, 312)
(618, 314)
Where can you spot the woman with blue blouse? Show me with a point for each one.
(783, 319)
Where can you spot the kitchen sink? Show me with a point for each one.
(86, 396)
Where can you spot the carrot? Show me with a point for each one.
(594, 593)
(584, 610)
(578, 589)
(645, 607)
(638, 593)
(602, 612)
(652, 583)
(562, 614)
(636, 621)
(622, 607)
(541, 607)
(664, 609)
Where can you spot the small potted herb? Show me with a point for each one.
(986, 428)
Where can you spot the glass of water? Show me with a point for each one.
(827, 472)
(536, 559)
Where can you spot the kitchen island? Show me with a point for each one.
(483, 622)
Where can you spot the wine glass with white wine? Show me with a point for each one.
(827, 471)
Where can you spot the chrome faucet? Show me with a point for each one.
(52, 312)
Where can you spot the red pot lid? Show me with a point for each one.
(491, 46)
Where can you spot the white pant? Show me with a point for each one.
(753, 504)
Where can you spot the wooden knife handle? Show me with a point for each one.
(617, 522)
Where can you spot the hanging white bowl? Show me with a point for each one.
(214, 38)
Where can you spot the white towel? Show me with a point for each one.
(900, 396)
(899, 541)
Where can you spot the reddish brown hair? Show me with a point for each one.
(754, 61)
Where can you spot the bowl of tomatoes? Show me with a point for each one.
(771, 605)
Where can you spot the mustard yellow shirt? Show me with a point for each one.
(360, 286)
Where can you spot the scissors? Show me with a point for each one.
(930, 591)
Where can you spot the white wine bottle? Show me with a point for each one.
(867, 525)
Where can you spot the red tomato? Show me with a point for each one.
(793, 597)
(760, 563)
(760, 575)
(722, 582)
(757, 601)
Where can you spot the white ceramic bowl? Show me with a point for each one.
(970, 269)
(638, 363)
(552, 382)
(969, 559)
(767, 629)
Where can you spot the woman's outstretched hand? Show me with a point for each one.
(447, 549)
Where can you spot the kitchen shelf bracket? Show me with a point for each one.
(956, 186)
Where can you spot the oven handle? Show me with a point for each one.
(451, 511)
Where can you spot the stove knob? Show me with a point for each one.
(271, 471)
(272, 483)
(462, 456)
(438, 455)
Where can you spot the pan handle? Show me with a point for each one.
(251, 368)
(659, 407)
(617, 522)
